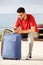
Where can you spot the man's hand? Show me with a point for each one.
(16, 30)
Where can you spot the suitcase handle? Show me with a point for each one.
(6, 30)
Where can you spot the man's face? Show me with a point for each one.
(21, 15)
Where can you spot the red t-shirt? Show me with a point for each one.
(27, 24)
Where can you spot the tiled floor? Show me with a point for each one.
(37, 55)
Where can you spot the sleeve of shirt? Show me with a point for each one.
(32, 22)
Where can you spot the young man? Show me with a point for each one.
(26, 25)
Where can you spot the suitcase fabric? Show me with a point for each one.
(11, 46)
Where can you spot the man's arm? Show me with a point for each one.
(27, 31)
(15, 30)
(19, 31)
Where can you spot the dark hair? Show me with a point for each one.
(20, 9)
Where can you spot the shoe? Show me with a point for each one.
(28, 57)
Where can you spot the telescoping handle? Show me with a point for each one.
(7, 31)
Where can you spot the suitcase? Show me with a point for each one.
(11, 46)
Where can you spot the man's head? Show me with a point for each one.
(21, 13)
